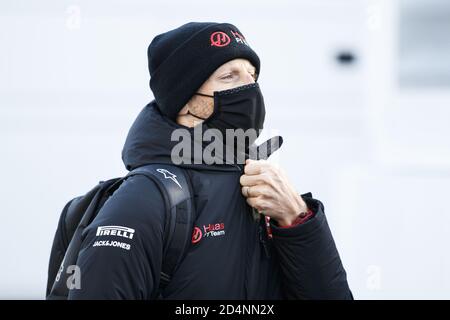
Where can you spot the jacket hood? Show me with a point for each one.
(149, 141)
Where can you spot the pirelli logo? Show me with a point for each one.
(118, 231)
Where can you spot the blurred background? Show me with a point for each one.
(359, 89)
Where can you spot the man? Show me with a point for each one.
(203, 75)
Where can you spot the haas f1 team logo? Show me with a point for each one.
(209, 230)
(239, 38)
(197, 235)
(221, 39)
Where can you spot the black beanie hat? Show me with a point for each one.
(181, 60)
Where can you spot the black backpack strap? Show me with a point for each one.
(59, 247)
(176, 188)
(76, 216)
(78, 213)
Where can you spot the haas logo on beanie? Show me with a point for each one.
(221, 39)
(239, 38)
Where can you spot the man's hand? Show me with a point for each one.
(269, 191)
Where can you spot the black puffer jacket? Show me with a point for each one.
(229, 260)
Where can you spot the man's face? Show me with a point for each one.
(234, 73)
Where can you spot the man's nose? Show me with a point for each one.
(247, 78)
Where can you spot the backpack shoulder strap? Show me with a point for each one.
(176, 188)
(76, 215)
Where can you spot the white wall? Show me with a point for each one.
(73, 76)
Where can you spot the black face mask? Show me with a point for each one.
(238, 108)
(241, 108)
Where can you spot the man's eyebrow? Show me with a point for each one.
(235, 69)
(249, 68)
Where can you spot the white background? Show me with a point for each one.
(374, 149)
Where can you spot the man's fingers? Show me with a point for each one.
(253, 167)
(252, 180)
(255, 191)
(255, 202)
(244, 191)
(259, 203)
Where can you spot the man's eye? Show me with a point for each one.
(228, 76)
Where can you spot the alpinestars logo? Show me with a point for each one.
(208, 231)
(169, 175)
